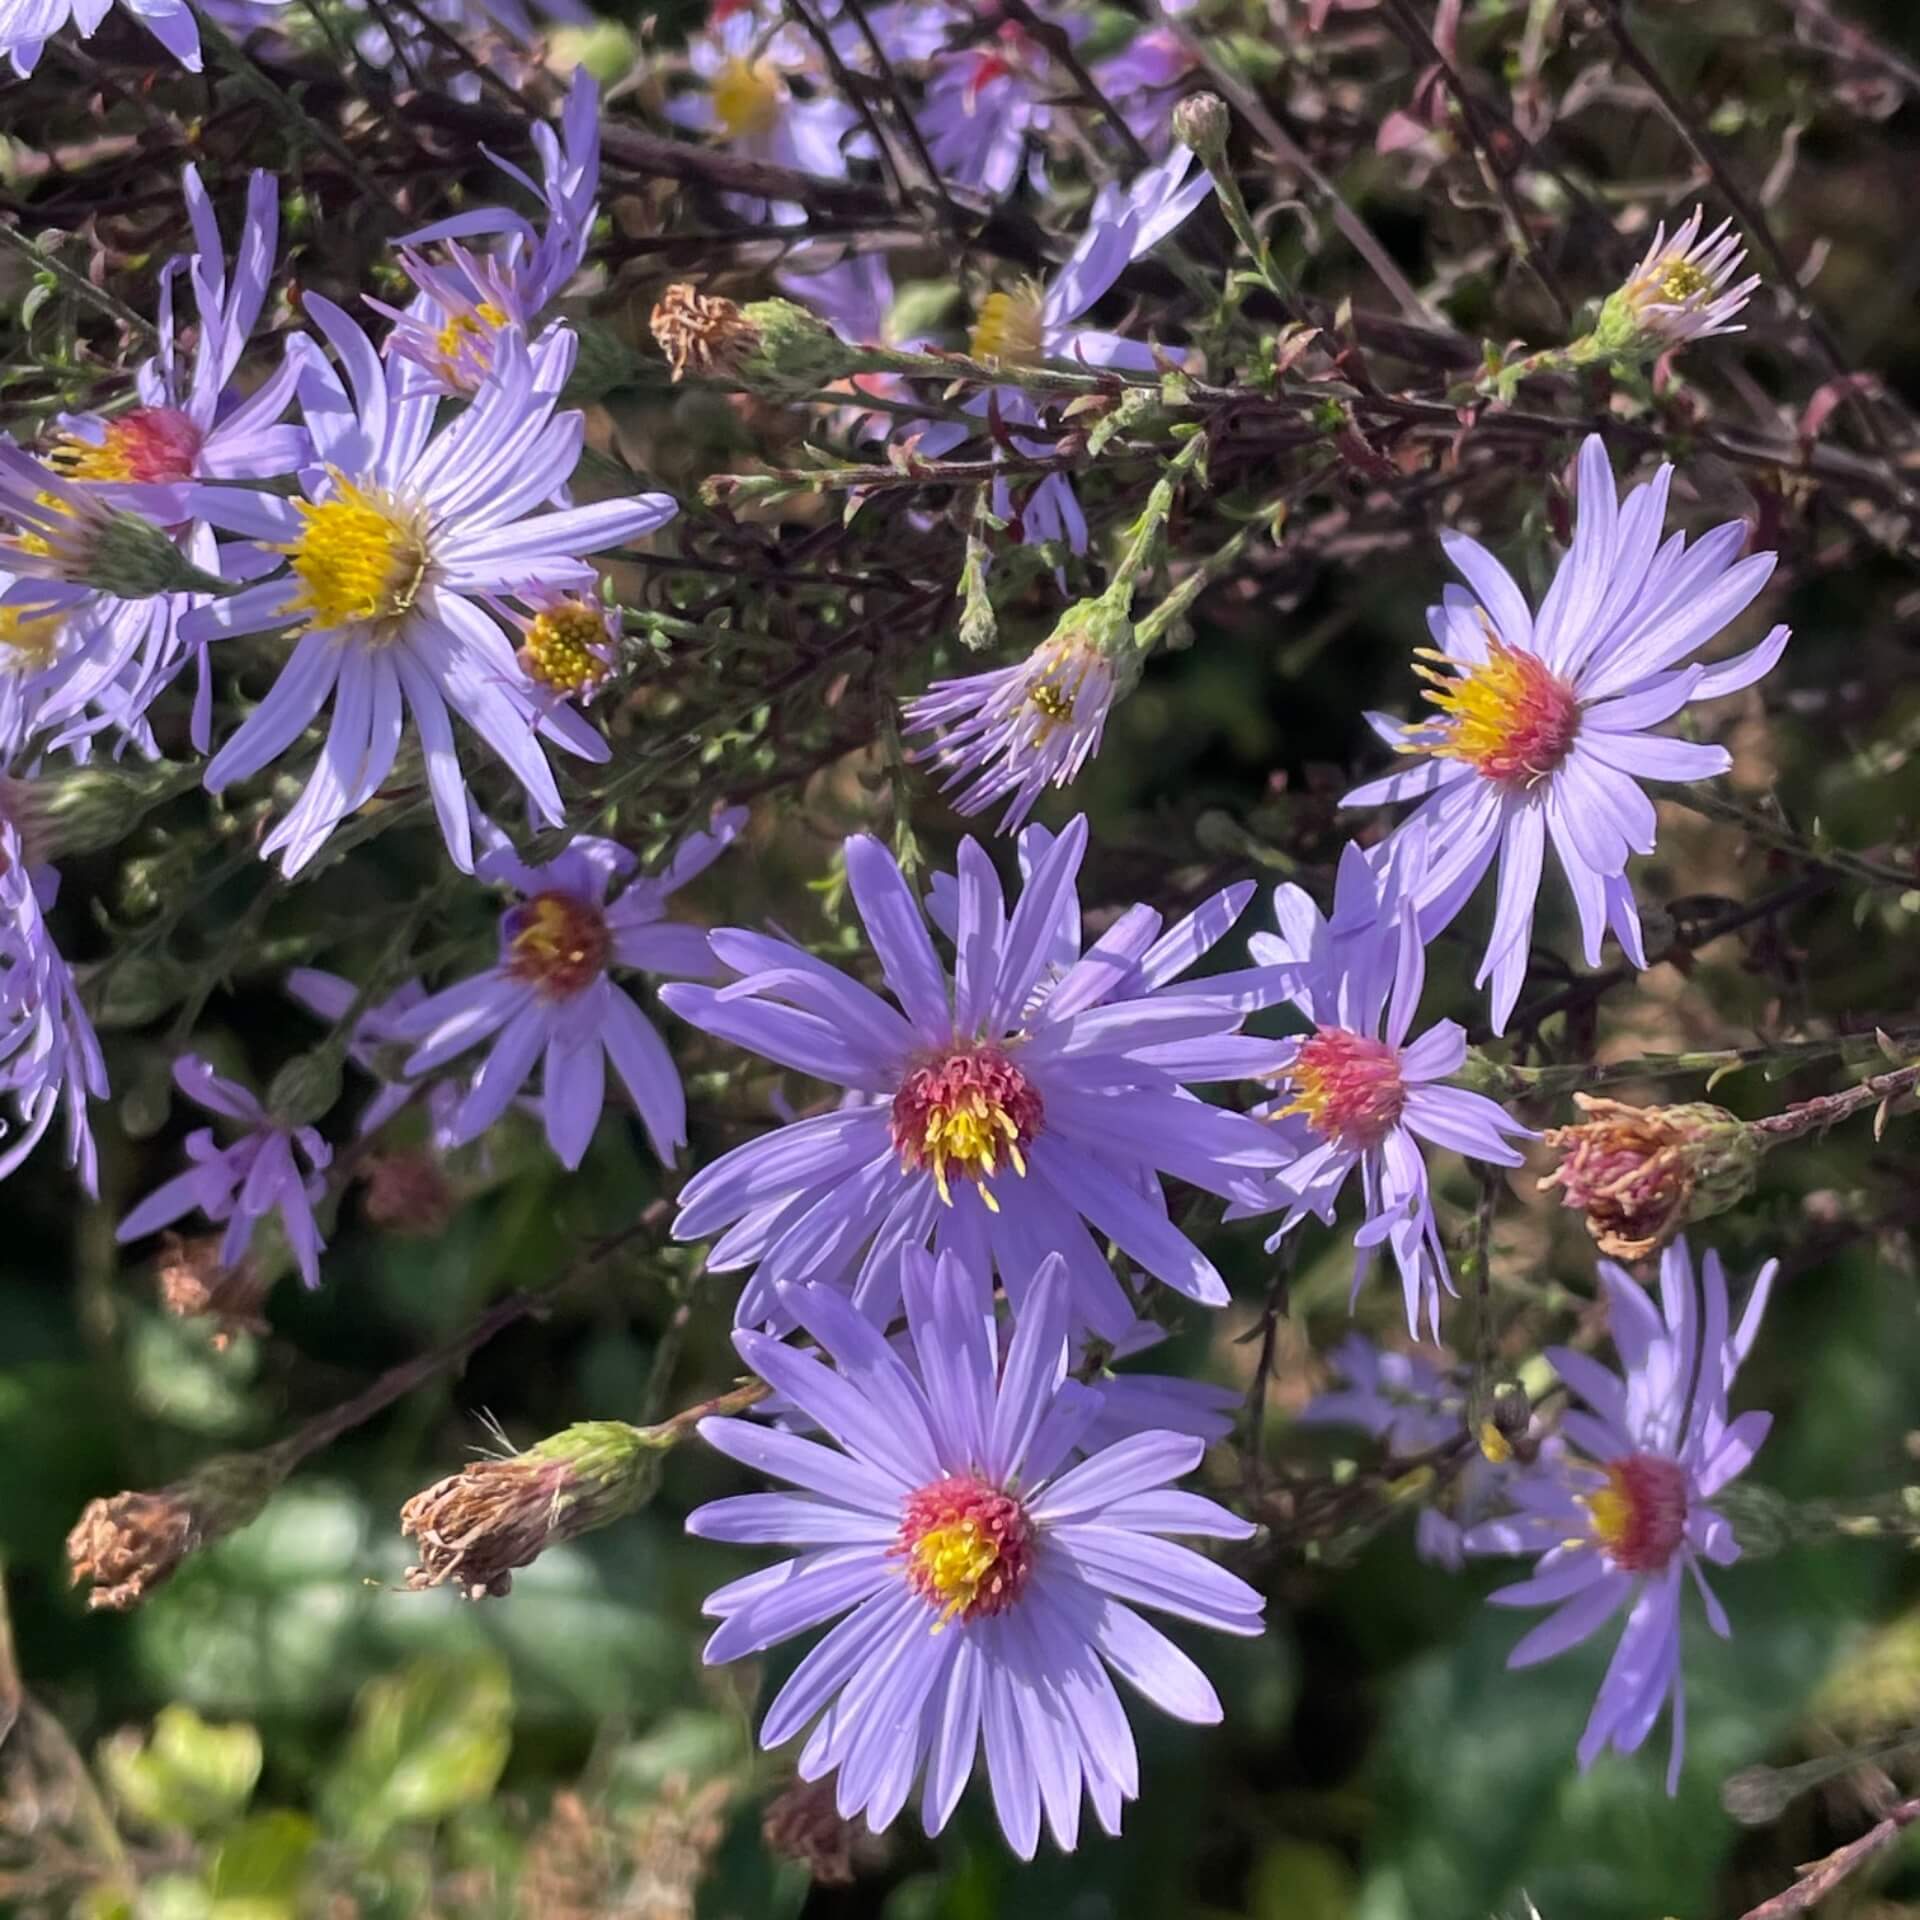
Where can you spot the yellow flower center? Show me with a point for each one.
(150, 444)
(968, 1548)
(360, 557)
(1011, 327)
(474, 330)
(1051, 702)
(1678, 281)
(1509, 717)
(558, 943)
(28, 640)
(962, 1115)
(559, 650)
(746, 96)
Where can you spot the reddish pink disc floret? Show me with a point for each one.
(967, 1547)
(558, 943)
(1640, 1515)
(1348, 1086)
(152, 445)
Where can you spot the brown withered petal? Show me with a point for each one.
(129, 1544)
(477, 1525)
(701, 333)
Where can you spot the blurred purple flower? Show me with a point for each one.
(1542, 729)
(27, 25)
(376, 1033)
(549, 997)
(1360, 1094)
(987, 1592)
(987, 107)
(1015, 1106)
(49, 1057)
(1143, 81)
(1630, 1523)
(403, 536)
(244, 1183)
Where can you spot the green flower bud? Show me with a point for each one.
(1202, 123)
(306, 1087)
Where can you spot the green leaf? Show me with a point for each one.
(261, 1865)
(425, 1741)
(187, 1774)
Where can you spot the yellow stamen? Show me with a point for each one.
(361, 557)
(955, 1561)
(559, 650)
(1011, 327)
(746, 96)
(28, 640)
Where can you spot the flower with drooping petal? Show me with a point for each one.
(550, 998)
(242, 1184)
(403, 535)
(987, 108)
(989, 1589)
(1028, 1095)
(1358, 1094)
(1543, 723)
(1012, 732)
(371, 1047)
(750, 60)
(468, 298)
(191, 424)
(49, 1057)
(1624, 1518)
(1679, 293)
(1029, 324)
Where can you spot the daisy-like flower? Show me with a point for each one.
(549, 999)
(1012, 732)
(1542, 722)
(989, 1590)
(1679, 292)
(986, 109)
(190, 425)
(374, 1047)
(49, 1057)
(1033, 1093)
(1357, 1094)
(1029, 324)
(27, 25)
(403, 535)
(242, 1184)
(749, 61)
(1625, 1516)
(468, 298)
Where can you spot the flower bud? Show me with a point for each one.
(133, 1542)
(1640, 1174)
(88, 809)
(478, 1525)
(1202, 122)
(773, 346)
(306, 1087)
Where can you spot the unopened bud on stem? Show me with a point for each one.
(1202, 122)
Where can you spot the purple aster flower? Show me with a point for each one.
(1012, 732)
(27, 25)
(241, 1184)
(468, 298)
(377, 1032)
(986, 109)
(549, 998)
(749, 61)
(49, 1057)
(1627, 1520)
(1143, 81)
(1030, 324)
(986, 1591)
(190, 425)
(1543, 725)
(402, 536)
(1360, 1094)
(1033, 1093)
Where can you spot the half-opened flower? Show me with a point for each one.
(1543, 723)
(1009, 1107)
(241, 1184)
(1356, 1093)
(549, 1001)
(468, 297)
(989, 1590)
(49, 1056)
(1679, 291)
(404, 535)
(1624, 1518)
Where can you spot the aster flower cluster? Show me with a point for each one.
(1009, 1105)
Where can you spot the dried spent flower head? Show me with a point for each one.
(478, 1525)
(803, 1824)
(701, 333)
(131, 1543)
(194, 1284)
(1640, 1174)
(408, 1193)
(672, 1843)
